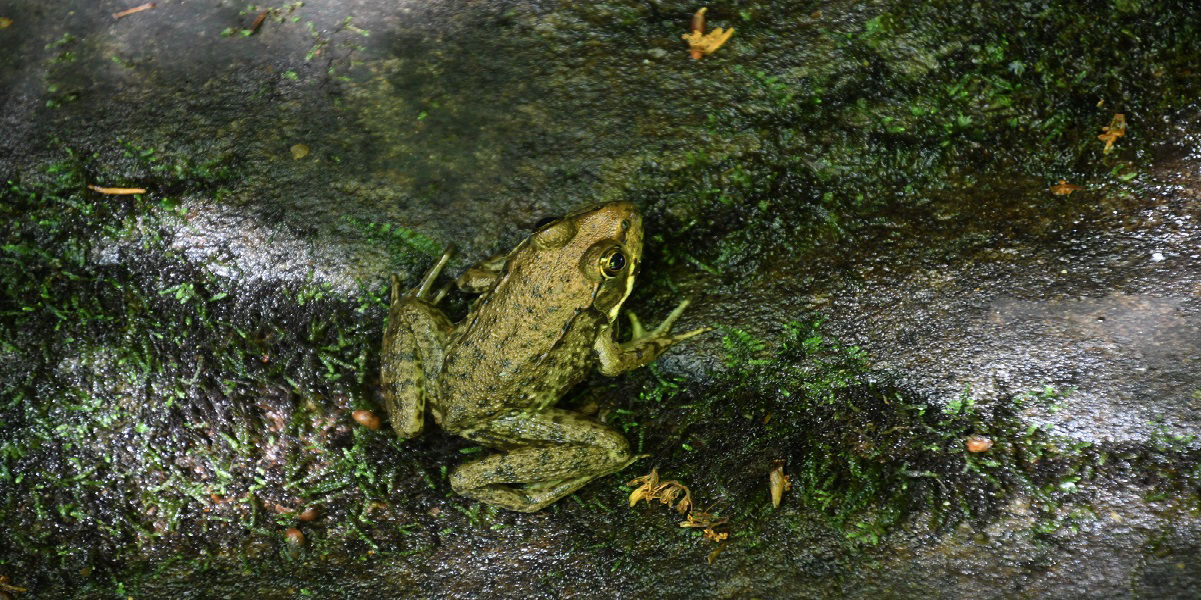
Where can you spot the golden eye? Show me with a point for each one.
(612, 262)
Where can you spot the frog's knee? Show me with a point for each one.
(615, 446)
(462, 481)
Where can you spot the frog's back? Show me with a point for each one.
(522, 347)
(532, 336)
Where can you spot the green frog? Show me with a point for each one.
(544, 319)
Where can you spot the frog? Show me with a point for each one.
(544, 319)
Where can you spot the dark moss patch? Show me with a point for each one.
(866, 452)
(897, 114)
(870, 455)
(154, 409)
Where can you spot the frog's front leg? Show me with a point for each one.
(413, 351)
(644, 347)
(543, 457)
(483, 276)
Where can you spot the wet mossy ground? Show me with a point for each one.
(166, 413)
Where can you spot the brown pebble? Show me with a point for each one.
(294, 536)
(978, 443)
(308, 514)
(366, 418)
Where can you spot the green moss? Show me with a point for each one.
(866, 453)
(407, 250)
(869, 456)
(148, 402)
(901, 110)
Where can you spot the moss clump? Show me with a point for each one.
(870, 455)
(153, 409)
(865, 452)
(895, 111)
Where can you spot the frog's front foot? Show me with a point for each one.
(644, 346)
(659, 334)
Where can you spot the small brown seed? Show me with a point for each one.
(308, 514)
(978, 443)
(294, 537)
(366, 418)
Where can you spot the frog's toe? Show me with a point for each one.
(397, 292)
(695, 332)
(424, 289)
(636, 330)
(664, 327)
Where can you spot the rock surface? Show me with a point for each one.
(856, 194)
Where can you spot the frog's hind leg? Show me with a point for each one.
(413, 351)
(423, 290)
(544, 457)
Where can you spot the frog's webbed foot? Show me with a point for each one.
(548, 455)
(640, 336)
(643, 347)
(424, 289)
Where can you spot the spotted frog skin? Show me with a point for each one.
(544, 319)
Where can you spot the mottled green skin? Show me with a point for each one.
(543, 321)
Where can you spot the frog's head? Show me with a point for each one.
(604, 243)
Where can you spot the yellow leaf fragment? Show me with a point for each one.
(638, 494)
(1115, 130)
(115, 191)
(778, 483)
(650, 488)
(134, 10)
(1063, 188)
(713, 555)
(979, 443)
(701, 43)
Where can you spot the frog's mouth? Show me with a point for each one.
(626, 294)
(630, 237)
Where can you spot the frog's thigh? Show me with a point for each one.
(550, 454)
(411, 356)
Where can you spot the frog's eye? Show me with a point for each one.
(544, 221)
(612, 262)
